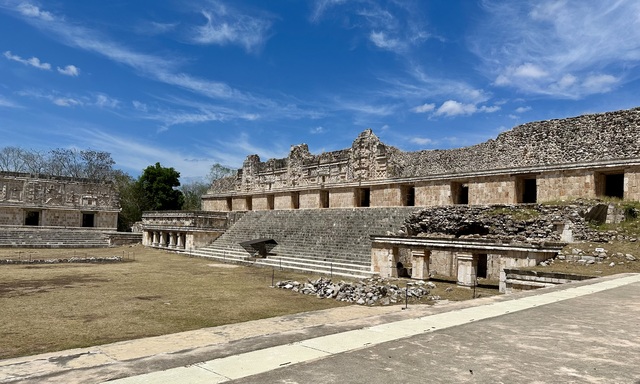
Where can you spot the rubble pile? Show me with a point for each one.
(372, 291)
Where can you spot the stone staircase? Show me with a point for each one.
(325, 241)
(19, 237)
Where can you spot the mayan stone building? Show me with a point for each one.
(581, 157)
(56, 202)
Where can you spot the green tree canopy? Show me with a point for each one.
(158, 186)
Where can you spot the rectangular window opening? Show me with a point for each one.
(32, 218)
(88, 220)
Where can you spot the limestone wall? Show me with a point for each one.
(492, 190)
(433, 194)
(11, 216)
(386, 196)
(341, 198)
(566, 184)
(310, 199)
(632, 184)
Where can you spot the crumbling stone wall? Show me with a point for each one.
(520, 223)
(582, 139)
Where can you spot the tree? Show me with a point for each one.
(218, 171)
(193, 192)
(158, 187)
(131, 200)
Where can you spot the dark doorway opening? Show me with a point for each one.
(32, 218)
(460, 193)
(409, 196)
(529, 191)
(614, 185)
(364, 197)
(295, 200)
(88, 219)
(229, 204)
(270, 200)
(481, 269)
(249, 203)
(324, 199)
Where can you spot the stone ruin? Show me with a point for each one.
(581, 157)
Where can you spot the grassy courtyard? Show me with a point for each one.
(48, 307)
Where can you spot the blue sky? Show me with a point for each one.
(196, 82)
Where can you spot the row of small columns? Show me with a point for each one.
(168, 239)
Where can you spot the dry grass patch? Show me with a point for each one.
(49, 307)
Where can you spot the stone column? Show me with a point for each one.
(155, 236)
(420, 264)
(180, 243)
(467, 266)
(172, 240)
(163, 239)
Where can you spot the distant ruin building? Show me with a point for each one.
(57, 202)
(582, 157)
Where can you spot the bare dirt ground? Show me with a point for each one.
(50, 307)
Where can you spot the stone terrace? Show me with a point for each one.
(332, 241)
(13, 237)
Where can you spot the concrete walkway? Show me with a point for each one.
(584, 332)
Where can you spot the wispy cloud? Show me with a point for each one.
(6, 103)
(69, 70)
(317, 130)
(98, 100)
(33, 61)
(523, 109)
(389, 25)
(567, 49)
(227, 25)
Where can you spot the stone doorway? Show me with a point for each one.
(32, 218)
(481, 269)
(88, 220)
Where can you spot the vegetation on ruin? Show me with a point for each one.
(51, 307)
(516, 213)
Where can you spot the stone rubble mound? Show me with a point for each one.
(530, 223)
(372, 291)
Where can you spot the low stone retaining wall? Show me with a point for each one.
(512, 280)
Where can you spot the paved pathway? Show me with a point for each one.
(584, 332)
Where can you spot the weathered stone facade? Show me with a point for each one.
(41, 201)
(581, 157)
(184, 230)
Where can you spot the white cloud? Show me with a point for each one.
(69, 70)
(139, 106)
(33, 61)
(523, 109)
(600, 83)
(565, 49)
(421, 140)
(66, 101)
(226, 25)
(381, 40)
(31, 10)
(452, 108)
(424, 108)
(104, 101)
(317, 130)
